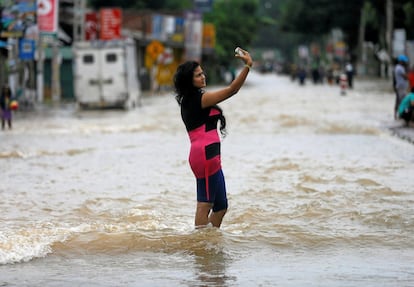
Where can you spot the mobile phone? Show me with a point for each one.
(239, 51)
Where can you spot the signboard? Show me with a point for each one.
(315, 49)
(303, 52)
(110, 23)
(193, 36)
(26, 49)
(398, 43)
(178, 35)
(340, 49)
(17, 17)
(91, 26)
(157, 21)
(154, 49)
(163, 27)
(47, 15)
(168, 27)
(209, 36)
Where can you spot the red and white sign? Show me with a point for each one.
(91, 26)
(47, 15)
(110, 23)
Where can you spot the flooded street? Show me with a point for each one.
(320, 193)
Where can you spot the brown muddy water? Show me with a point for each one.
(320, 194)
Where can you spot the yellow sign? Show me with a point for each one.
(154, 49)
(209, 35)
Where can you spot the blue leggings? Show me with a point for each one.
(216, 193)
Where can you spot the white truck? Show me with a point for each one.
(105, 74)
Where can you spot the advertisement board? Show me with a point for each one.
(17, 17)
(110, 23)
(26, 49)
(209, 36)
(193, 29)
(47, 15)
(398, 43)
(91, 26)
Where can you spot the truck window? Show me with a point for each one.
(111, 58)
(88, 59)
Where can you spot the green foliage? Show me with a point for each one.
(409, 18)
(143, 4)
(318, 17)
(236, 23)
(370, 15)
(178, 4)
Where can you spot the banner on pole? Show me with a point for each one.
(110, 23)
(193, 29)
(47, 15)
(91, 26)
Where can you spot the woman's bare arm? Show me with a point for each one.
(212, 98)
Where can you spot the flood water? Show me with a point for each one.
(320, 194)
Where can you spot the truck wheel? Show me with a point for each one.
(128, 105)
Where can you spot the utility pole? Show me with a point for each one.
(39, 68)
(79, 7)
(389, 12)
(2, 58)
(55, 87)
(56, 91)
(361, 38)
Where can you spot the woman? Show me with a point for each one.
(400, 81)
(200, 114)
(5, 110)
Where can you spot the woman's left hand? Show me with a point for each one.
(245, 56)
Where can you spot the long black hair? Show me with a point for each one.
(184, 88)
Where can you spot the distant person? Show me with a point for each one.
(400, 81)
(5, 109)
(343, 83)
(322, 74)
(200, 114)
(406, 108)
(349, 70)
(302, 75)
(315, 71)
(330, 76)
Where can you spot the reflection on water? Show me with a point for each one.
(107, 197)
(211, 266)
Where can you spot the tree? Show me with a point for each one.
(236, 23)
(317, 17)
(409, 20)
(271, 33)
(143, 4)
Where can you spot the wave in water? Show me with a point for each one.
(31, 154)
(311, 218)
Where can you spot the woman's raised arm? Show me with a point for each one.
(214, 97)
